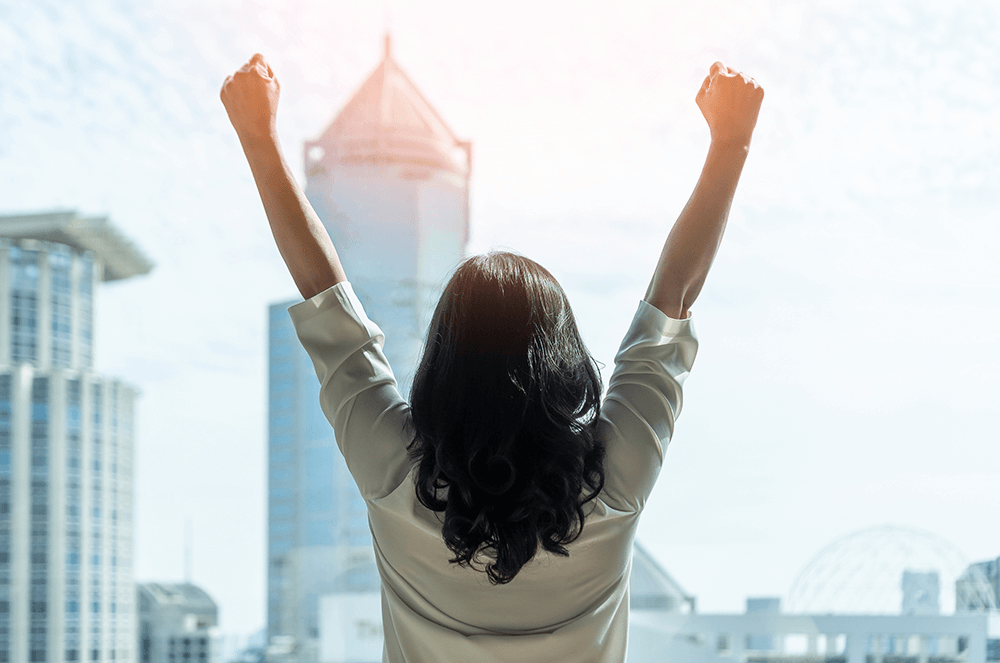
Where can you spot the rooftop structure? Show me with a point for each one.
(388, 120)
(921, 593)
(176, 623)
(978, 588)
(652, 588)
(118, 257)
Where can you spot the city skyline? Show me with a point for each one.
(826, 398)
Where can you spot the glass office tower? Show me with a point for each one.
(319, 541)
(390, 182)
(66, 438)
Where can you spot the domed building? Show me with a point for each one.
(885, 571)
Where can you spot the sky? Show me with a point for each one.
(849, 369)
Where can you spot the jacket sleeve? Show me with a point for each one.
(643, 401)
(357, 388)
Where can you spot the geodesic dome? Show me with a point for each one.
(862, 573)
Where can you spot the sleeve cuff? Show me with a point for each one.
(340, 295)
(656, 318)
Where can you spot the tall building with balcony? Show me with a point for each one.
(390, 182)
(66, 439)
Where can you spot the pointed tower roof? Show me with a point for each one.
(388, 120)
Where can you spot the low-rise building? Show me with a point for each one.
(978, 588)
(772, 637)
(176, 624)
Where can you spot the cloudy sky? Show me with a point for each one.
(849, 370)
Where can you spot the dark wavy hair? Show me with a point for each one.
(505, 404)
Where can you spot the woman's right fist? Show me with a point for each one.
(251, 99)
(730, 101)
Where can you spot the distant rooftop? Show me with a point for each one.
(651, 587)
(388, 120)
(120, 257)
(177, 593)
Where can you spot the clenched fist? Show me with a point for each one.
(730, 101)
(251, 99)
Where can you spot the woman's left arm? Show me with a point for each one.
(251, 100)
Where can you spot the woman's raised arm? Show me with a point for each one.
(251, 99)
(730, 101)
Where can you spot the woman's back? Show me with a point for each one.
(548, 591)
(437, 610)
(434, 610)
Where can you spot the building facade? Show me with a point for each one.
(66, 440)
(318, 536)
(390, 182)
(769, 637)
(921, 593)
(176, 624)
(978, 588)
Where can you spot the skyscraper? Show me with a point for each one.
(390, 182)
(66, 436)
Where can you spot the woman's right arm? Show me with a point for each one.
(730, 101)
(251, 100)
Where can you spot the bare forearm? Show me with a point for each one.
(302, 240)
(730, 101)
(251, 99)
(693, 241)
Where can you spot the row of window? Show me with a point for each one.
(60, 265)
(5, 431)
(24, 308)
(39, 508)
(38, 592)
(74, 497)
(24, 304)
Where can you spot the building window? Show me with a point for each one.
(281, 349)
(60, 262)
(85, 310)
(281, 403)
(24, 304)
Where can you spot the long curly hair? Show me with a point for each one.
(505, 405)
